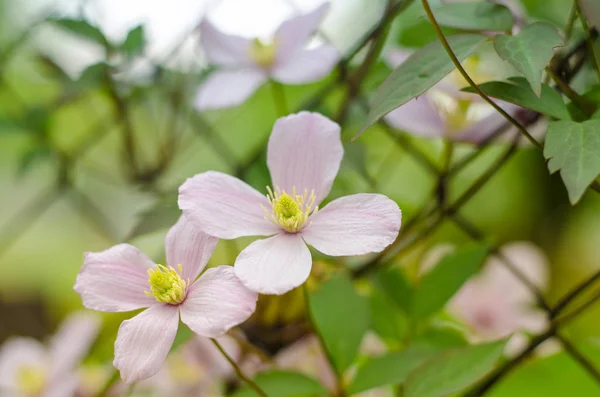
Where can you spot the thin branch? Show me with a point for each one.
(583, 361)
(575, 292)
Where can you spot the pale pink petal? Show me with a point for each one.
(293, 34)
(115, 280)
(307, 66)
(66, 386)
(71, 343)
(228, 88)
(274, 265)
(217, 302)
(188, 246)
(482, 129)
(354, 225)
(223, 49)
(144, 341)
(305, 151)
(224, 206)
(419, 117)
(17, 353)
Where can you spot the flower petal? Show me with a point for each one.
(305, 151)
(274, 265)
(65, 386)
(224, 206)
(354, 225)
(293, 34)
(228, 88)
(223, 49)
(144, 341)
(307, 66)
(188, 246)
(16, 353)
(115, 280)
(418, 117)
(217, 302)
(488, 125)
(71, 343)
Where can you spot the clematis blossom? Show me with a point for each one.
(246, 64)
(122, 279)
(303, 156)
(30, 369)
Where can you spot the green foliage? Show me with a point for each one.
(446, 278)
(591, 11)
(134, 42)
(453, 370)
(485, 16)
(161, 216)
(518, 91)
(278, 383)
(530, 51)
(419, 72)
(387, 320)
(341, 318)
(82, 29)
(397, 287)
(573, 149)
(389, 369)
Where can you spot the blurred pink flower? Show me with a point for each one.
(28, 368)
(445, 111)
(122, 278)
(247, 64)
(303, 156)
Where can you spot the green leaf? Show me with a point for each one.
(443, 336)
(530, 51)
(134, 42)
(31, 157)
(486, 16)
(387, 320)
(341, 317)
(518, 91)
(82, 29)
(390, 369)
(574, 149)
(419, 72)
(393, 282)
(278, 383)
(591, 11)
(453, 370)
(162, 215)
(446, 278)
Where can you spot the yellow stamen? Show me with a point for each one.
(166, 285)
(263, 54)
(291, 212)
(31, 380)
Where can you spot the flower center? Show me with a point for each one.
(166, 285)
(262, 53)
(31, 380)
(290, 211)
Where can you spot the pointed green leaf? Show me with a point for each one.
(574, 149)
(278, 383)
(485, 16)
(530, 51)
(419, 72)
(394, 283)
(387, 320)
(134, 42)
(341, 317)
(390, 369)
(82, 29)
(446, 278)
(453, 370)
(518, 91)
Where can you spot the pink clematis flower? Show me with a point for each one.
(30, 369)
(122, 278)
(247, 64)
(303, 155)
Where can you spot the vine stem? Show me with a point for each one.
(571, 93)
(239, 371)
(279, 99)
(468, 78)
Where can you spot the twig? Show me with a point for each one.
(569, 297)
(578, 356)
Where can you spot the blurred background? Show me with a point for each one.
(70, 182)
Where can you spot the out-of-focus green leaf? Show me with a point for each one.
(396, 286)
(443, 336)
(530, 51)
(453, 370)
(419, 72)
(94, 75)
(8, 125)
(82, 29)
(134, 42)
(390, 369)
(446, 278)
(591, 11)
(32, 157)
(341, 317)
(278, 383)
(486, 16)
(162, 215)
(574, 149)
(518, 91)
(387, 320)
